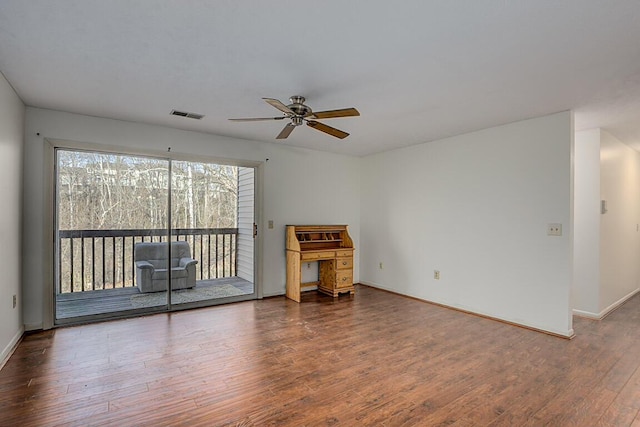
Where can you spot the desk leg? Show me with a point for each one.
(294, 276)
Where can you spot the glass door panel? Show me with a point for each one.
(212, 222)
(107, 205)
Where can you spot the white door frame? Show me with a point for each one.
(48, 245)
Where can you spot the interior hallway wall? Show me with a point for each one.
(620, 226)
(586, 253)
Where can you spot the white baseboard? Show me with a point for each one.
(604, 313)
(273, 294)
(11, 347)
(568, 334)
(586, 314)
(32, 327)
(283, 293)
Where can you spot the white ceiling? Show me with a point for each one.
(417, 70)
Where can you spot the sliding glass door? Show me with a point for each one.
(209, 220)
(139, 234)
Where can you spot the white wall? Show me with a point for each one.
(11, 148)
(476, 207)
(586, 222)
(299, 186)
(619, 235)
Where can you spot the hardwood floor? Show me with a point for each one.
(371, 359)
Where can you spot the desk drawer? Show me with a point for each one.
(344, 278)
(344, 253)
(307, 257)
(344, 263)
(314, 256)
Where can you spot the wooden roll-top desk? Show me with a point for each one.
(331, 246)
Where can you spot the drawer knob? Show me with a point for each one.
(344, 278)
(344, 262)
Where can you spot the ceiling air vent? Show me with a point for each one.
(188, 115)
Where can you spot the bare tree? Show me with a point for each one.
(100, 191)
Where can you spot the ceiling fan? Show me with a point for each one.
(299, 113)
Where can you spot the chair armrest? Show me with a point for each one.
(186, 262)
(145, 265)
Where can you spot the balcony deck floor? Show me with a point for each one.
(88, 303)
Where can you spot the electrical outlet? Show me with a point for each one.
(554, 229)
(308, 265)
(15, 301)
(270, 224)
(380, 265)
(436, 274)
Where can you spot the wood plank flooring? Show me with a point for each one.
(374, 359)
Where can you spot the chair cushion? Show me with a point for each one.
(176, 273)
(162, 263)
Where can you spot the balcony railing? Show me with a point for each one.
(91, 260)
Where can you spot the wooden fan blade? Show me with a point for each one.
(284, 133)
(279, 105)
(255, 119)
(331, 114)
(327, 129)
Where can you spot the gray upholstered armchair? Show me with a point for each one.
(151, 266)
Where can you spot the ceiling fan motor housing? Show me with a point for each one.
(298, 107)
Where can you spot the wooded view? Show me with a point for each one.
(99, 191)
(105, 191)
